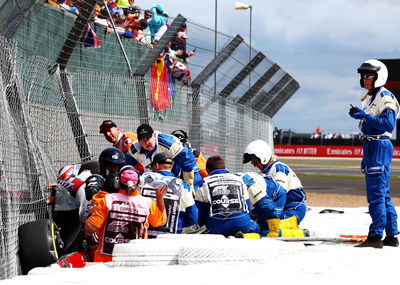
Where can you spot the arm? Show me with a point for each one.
(188, 210)
(97, 219)
(202, 204)
(158, 215)
(385, 122)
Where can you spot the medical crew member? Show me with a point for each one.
(260, 155)
(377, 115)
(125, 215)
(223, 201)
(151, 142)
(187, 214)
(294, 209)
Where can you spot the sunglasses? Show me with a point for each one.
(367, 76)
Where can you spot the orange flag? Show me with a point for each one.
(159, 85)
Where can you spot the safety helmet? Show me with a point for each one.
(376, 67)
(71, 177)
(258, 148)
(108, 156)
(181, 135)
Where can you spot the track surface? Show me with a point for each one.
(333, 166)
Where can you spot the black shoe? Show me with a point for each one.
(374, 241)
(391, 241)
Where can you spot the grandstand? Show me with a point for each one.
(55, 91)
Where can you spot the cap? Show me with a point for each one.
(159, 8)
(144, 131)
(128, 174)
(161, 158)
(107, 124)
(183, 25)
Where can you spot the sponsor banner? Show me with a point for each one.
(324, 151)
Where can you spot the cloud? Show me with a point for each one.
(333, 25)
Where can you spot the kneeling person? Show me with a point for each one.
(125, 215)
(223, 201)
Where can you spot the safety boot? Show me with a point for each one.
(285, 228)
(391, 241)
(372, 241)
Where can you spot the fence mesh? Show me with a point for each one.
(50, 117)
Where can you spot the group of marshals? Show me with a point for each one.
(150, 183)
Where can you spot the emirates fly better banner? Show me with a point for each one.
(324, 151)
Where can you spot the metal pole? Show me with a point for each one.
(215, 44)
(118, 38)
(251, 12)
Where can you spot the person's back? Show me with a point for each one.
(180, 196)
(158, 19)
(124, 216)
(223, 201)
(295, 196)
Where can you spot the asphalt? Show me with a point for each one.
(308, 170)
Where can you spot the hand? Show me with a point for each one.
(357, 113)
(160, 192)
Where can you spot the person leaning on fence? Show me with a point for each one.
(377, 115)
(188, 213)
(260, 155)
(132, 214)
(151, 142)
(223, 201)
(158, 20)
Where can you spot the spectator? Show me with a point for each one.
(99, 19)
(143, 33)
(53, 3)
(135, 213)
(223, 201)
(69, 6)
(133, 9)
(176, 69)
(159, 18)
(146, 32)
(151, 142)
(179, 44)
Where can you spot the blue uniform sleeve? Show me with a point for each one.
(185, 159)
(190, 216)
(203, 209)
(266, 209)
(385, 122)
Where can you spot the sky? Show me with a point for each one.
(273, 262)
(320, 43)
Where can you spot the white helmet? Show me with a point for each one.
(377, 67)
(258, 148)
